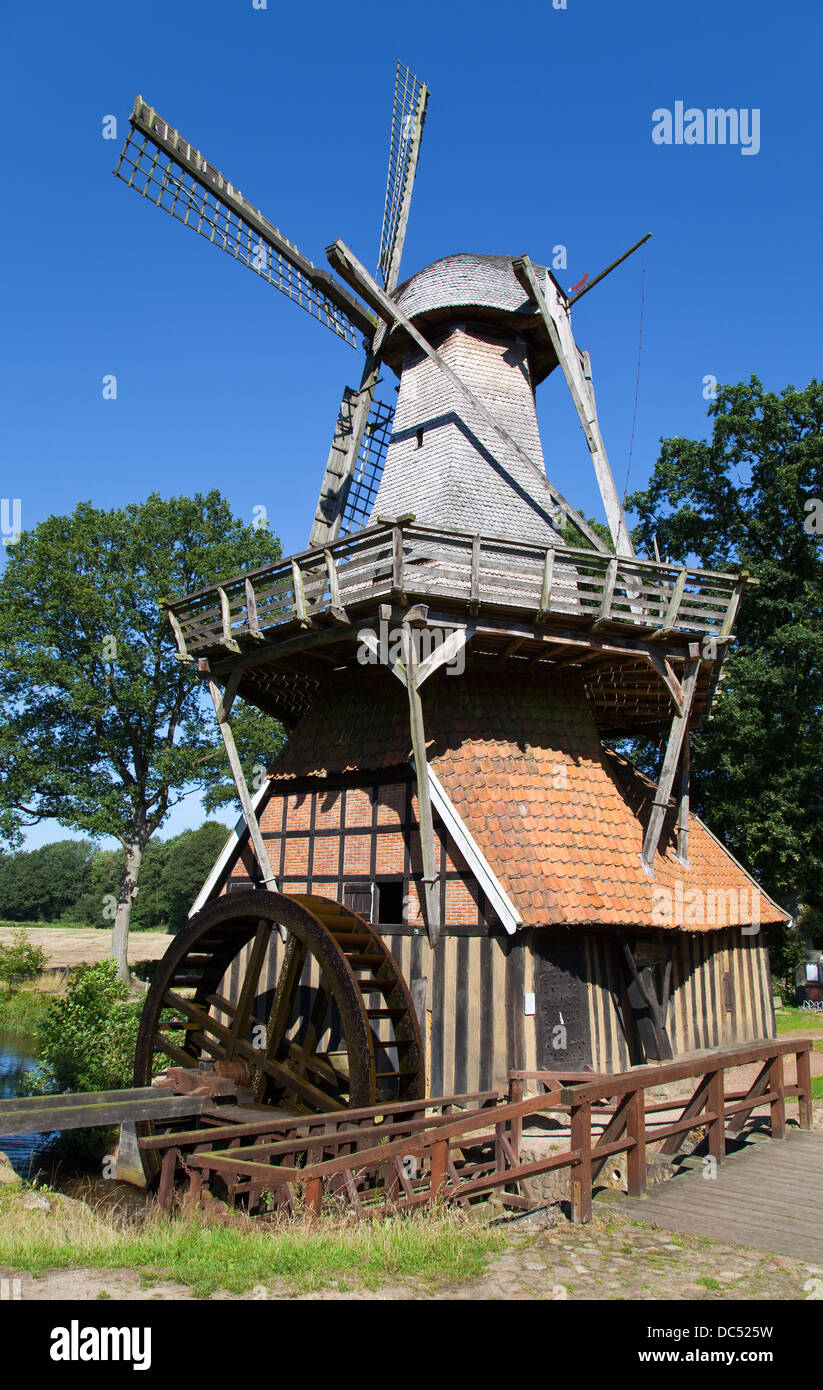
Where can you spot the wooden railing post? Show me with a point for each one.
(314, 1199)
(580, 1173)
(715, 1104)
(636, 1155)
(777, 1104)
(517, 1087)
(804, 1087)
(439, 1160)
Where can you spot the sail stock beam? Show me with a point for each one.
(576, 368)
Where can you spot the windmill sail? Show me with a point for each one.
(354, 467)
(410, 98)
(162, 166)
(368, 470)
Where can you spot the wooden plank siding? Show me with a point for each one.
(338, 836)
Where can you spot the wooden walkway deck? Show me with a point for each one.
(768, 1196)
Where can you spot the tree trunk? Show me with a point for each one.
(125, 899)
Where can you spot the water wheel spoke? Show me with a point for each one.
(316, 1025)
(183, 1059)
(278, 1071)
(241, 1021)
(288, 981)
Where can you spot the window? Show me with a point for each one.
(390, 903)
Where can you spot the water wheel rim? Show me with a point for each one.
(240, 915)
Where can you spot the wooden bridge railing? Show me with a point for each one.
(409, 562)
(373, 1160)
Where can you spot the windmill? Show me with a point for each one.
(161, 165)
(448, 880)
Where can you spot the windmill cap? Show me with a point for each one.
(488, 288)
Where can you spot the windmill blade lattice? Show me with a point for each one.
(163, 167)
(368, 470)
(410, 98)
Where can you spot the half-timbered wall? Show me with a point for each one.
(494, 1002)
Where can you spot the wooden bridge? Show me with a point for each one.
(767, 1196)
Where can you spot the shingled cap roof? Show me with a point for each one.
(559, 819)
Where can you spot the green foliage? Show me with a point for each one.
(39, 884)
(571, 535)
(87, 1037)
(104, 729)
(189, 860)
(739, 502)
(172, 873)
(20, 962)
(786, 952)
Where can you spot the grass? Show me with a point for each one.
(817, 1088)
(22, 1009)
(789, 1020)
(435, 1248)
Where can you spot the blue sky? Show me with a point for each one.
(539, 133)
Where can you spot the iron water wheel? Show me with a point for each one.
(335, 1027)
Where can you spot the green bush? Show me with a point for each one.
(20, 962)
(87, 1037)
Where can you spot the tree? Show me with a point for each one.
(746, 499)
(104, 730)
(20, 962)
(39, 885)
(190, 858)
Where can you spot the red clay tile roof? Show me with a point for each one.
(559, 818)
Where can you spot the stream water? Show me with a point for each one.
(42, 1156)
(17, 1056)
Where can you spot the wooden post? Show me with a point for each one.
(679, 726)
(777, 1104)
(439, 1163)
(517, 1088)
(555, 316)
(580, 1172)
(804, 1087)
(715, 1104)
(636, 1155)
(546, 587)
(166, 1185)
(314, 1199)
(683, 814)
(421, 767)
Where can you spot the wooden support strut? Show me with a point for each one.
(421, 767)
(222, 709)
(347, 265)
(683, 813)
(555, 316)
(679, 726)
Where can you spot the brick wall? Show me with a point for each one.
(323, 838)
